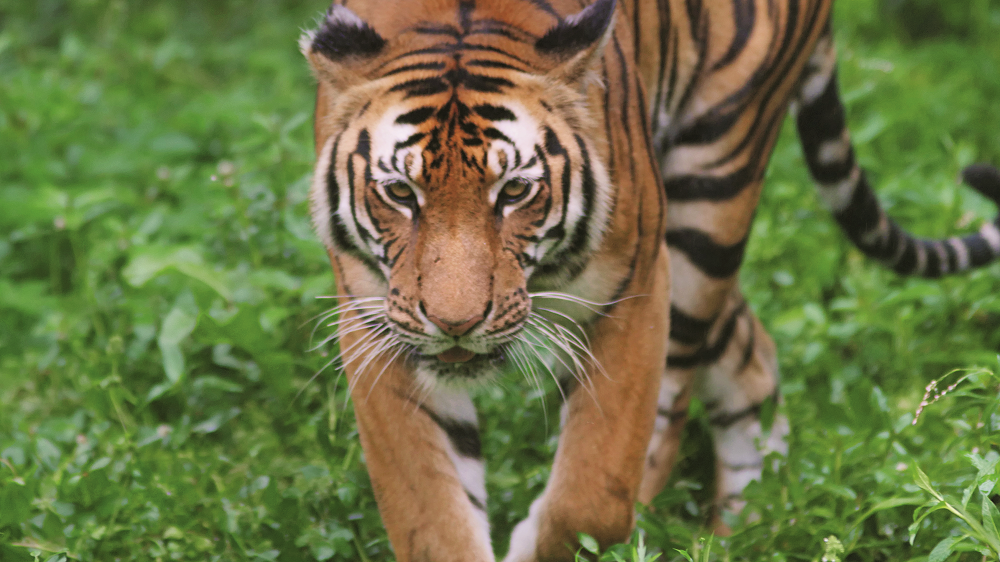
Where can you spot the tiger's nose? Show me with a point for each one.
(456, 329)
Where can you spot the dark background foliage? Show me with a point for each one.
(159, 395)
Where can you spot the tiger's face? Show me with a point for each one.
(458, 181)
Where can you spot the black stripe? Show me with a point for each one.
(980, 251)
(464, 436)
(410, 141)
(713, 259)
(664, 36)
(339, 232)
(476, 82)
(465, 8)
(431, 29)
(694, 13)
(546, 174)
(493, 64)
(709, 127)
(632, 266)
(766, 125)
(745, 18)
(673, 416)
(750, 347)
(495, 134)
(333, 199)
(494, 112)
(985, 179)
(699, 28)
(416, 66)
(908, 260)
(545, 7)
(952, 257)
(581, 234)
(708, 188)
(710, 354)
(416, 116)
(636, 32)
(475, 501)
(363, 149)
(421, 87)
(451, 49)
(555, 148)
(932, 264)
(861, 216)
(489, 26)
(821, 121)
(687, 329)
(727, 419)
(672, 83)
(609, 118)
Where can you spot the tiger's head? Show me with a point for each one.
(458, 165)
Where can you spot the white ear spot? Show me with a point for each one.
(344, 16)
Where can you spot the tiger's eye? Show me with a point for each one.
(399, 191)
(514, 190)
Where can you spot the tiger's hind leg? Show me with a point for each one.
(740, 392)
(730, 364)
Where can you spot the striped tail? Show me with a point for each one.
(846, 191)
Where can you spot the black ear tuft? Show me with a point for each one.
(343, 34)
(579, 31)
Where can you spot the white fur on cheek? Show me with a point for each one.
(319, 198)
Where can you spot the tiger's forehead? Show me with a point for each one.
(453, 136)
(487, 32)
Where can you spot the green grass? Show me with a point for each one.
(158, 284)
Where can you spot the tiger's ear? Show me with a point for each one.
(340, 47)
(578, 41)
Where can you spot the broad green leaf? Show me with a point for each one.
(984, 466)
(887, 504)
(178, 324)
(944, 549)
(173, 362)
(967, 494)
(991, 520)
(925, 483)
(16, 500)
(213, 279)
(588, 543)
(685, 554)
(986, 487)
(153, 262)
(47, 452)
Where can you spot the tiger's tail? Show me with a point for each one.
(845, 189)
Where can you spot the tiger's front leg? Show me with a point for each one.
(423, 455)
(599, 464)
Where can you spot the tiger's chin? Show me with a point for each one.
(458, 369)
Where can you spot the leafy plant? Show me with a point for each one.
(980, 529)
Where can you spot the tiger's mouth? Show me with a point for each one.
(456, 354)
(460, 364)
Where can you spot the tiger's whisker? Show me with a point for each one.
(579, 374)
(569, 337)
(373, 350)
(560, 342)
(400, 349)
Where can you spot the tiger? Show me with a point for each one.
(506, 183)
